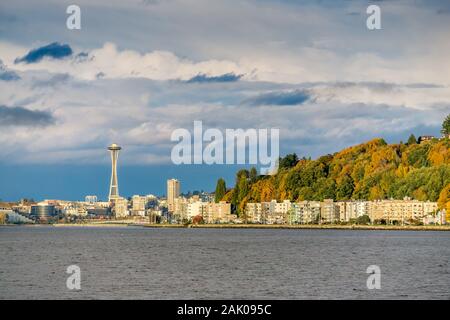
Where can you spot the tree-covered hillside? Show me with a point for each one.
(369, 171)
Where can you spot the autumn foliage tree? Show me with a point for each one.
(444, 201)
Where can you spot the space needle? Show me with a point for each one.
(114, 186)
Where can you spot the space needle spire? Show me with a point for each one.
(114, 185)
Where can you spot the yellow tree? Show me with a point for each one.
(440, 153)
(2, 218)
(444, 201)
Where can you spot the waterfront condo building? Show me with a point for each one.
(304, 212)
(218, 212)
(356, 209)
(195, 208)
(400, 211)
(329, 211)
(272, 212)
(253, 212)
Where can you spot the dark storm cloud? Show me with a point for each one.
(280, 98)
(203, 78)
(54, 50)
(18, 116)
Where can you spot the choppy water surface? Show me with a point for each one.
(143, 263)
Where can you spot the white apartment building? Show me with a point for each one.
(268, 212)
(304, 212)
(72, 210)
(356, 209)
(138, 205)
(253, 211)
(197, 208)
(329, 211)
(121, 207)
(218, 212)
(400, 211)
(179, 208)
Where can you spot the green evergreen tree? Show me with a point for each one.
(412, 140)
(243, 187)
(288, 161)
(253, 174)
(236, 191)
(221, 189)
(446, 126)
(345, 189)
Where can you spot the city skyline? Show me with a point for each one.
(278, 64)
(139, 186)
(172, 186)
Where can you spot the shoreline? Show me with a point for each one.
(310, 227)
(251, 226)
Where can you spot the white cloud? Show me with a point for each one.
(363, 84)
(113, 63)
(141, 114)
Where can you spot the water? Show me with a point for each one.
(142, 263)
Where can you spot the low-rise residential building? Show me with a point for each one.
(218, 212)
(272, 212)
(355, 209)
(329, 211)
(195, 208)
(121, 208)
(304, 212)
(74, 210)
(210, 211)
(138, 205)
(400, 211)
(253, 212)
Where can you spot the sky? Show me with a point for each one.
(139, 69)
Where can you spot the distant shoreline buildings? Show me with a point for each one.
(406, 211)
(201, 208)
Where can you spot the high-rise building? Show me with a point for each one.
(114, 185)
(173, 192)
